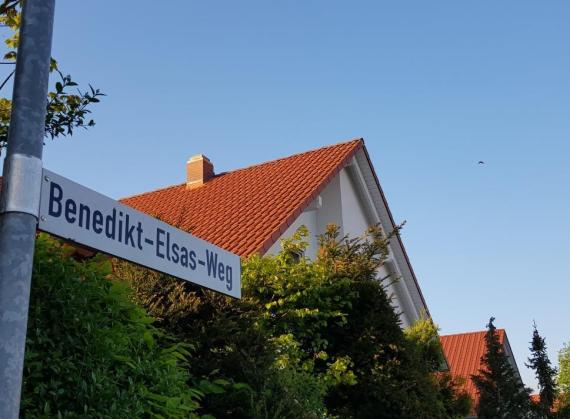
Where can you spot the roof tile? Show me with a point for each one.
(245, 211)
(463, 352)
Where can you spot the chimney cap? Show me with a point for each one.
(199, 157)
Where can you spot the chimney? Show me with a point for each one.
(199, 170)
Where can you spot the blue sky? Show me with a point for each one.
(433, 87)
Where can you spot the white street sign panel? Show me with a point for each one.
(74, 212)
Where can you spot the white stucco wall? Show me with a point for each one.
(325, 209)
(309, 219)
(355, 222)
(354, 219)
(330, 211)
(340, 203)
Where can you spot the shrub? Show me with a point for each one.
(308, 338)
(91, 352)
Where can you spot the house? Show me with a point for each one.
(463, 352)
(249, 210)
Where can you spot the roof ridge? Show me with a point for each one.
(354, 140)
(301, 153)
(471, 333)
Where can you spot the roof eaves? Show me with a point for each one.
(401, 243)
(505, 342)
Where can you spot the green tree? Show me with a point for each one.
(501, 392)
(545, 374)
(308, 338)
(92, 353)
(424, 338)
(564, 380)
(424, 334)
(66, 111)
(269, 374)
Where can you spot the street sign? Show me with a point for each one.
(76, 213)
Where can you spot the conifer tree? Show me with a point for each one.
(545, 374)
(501, 392)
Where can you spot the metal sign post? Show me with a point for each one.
(19, 203)
(73, 212)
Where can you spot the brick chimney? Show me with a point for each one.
(199, 170)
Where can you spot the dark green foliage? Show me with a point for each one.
(501, 393)
(66, 111)
(424, 333)
(426, 346)
(455, 400)
(307, 338)
(91, 353)
(545, 374)
(230, 341)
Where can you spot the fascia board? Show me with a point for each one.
(378, 202)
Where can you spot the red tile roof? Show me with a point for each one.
(535, 399)
(245, 211)
(463, 353)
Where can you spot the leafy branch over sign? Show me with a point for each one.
(68, 111)
(65, 110)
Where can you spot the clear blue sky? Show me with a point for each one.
(433, 87)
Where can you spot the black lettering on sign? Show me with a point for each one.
(211, 263)
(218, 269)
(97, 222)
(139, 235)
(175, 256)
(84, 216)
(120, 225)
(70, 209)
(192, 260)
(110, 221)
(168, 246)
(159, 243)
(55, 196)
(120, 229)
(184, 257)
(129, 232)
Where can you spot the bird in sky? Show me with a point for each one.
(481, 163)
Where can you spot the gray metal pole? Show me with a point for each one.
(19, 203)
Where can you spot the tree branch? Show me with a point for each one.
(7, 5)
(7, 78)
